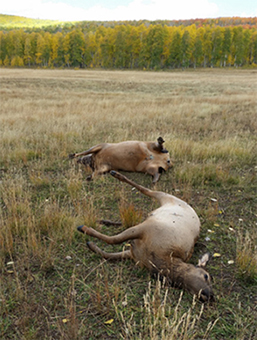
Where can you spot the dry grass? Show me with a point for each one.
(51, 286)
(160, 321)
(129, 215)
(246, 256)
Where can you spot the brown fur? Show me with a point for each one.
(134, 156)
(163, 242)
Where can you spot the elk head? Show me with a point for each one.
(197, 281)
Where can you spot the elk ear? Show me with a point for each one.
(203, 260)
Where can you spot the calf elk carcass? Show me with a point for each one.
(134, 156)
(163, 243)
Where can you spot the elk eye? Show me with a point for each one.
(168, 161)
(206, 277)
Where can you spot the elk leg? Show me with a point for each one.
(93, 175)
(154, 194)
(100, 171)
(113, 256)
(108, 223)
(94, 149)
(128, 234)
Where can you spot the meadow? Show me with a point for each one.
(51, 286)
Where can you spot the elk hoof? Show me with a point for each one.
(71, 155)
(80, 229)
(160, 140)
(113, 173)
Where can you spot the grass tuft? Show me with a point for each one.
(129, 215)
(158, 322)
(246, 256)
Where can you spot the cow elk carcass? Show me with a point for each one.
(133, 156)
(163, 243)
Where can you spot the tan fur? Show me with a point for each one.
(163, 242)
(133, 156)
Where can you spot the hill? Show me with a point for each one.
(10, 22)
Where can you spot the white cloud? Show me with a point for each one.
(158, 9)
(136, 10)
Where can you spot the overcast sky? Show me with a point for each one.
(77, 10)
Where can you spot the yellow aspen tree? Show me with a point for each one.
(17, 62)
(54, 49)
(6, 61)
(40, 48)
(90, 49)
(167, 43)
(27, 50)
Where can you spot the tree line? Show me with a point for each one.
(153, 46)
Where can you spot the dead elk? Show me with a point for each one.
(133, 156)
(163, 243)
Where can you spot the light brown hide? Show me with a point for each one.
(132, 156)
(163, 242)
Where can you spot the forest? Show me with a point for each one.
(230, 42)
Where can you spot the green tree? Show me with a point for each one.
(74, 48)
(217, 40)
(14, 44)
(253, 47)
(120, 47)
(237, 46)
(10, 45)
(33, 37)
(66, 50)
(247, 49)
(107, 48)
(99, 39)
(175, 52)
(3, 51)
(77, 48)
(135, 41)
(206, 37)
(197, 52)
(185, 49)
(154, 45)
(226, 47)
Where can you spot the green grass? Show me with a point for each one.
(52, 286)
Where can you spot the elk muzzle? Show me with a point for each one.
(206, 295)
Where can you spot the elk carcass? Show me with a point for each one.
(133, 156)
(163, 243)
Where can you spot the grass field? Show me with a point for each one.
(52, 287)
